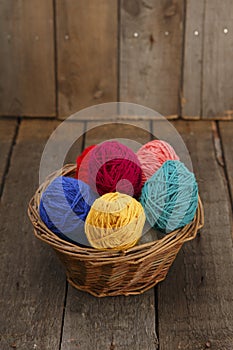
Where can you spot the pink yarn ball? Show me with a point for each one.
(114, 167)
(152, 155)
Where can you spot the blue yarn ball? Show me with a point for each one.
(170, 197)
(64, 207)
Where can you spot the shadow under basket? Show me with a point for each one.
(111, 273)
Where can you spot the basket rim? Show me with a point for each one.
(139, 251)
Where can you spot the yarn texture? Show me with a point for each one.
(170, 197)
(115, 167)
(152, 155)
(64, 207)
(82, 162)
(115, 221)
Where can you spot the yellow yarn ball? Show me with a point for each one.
(115, 221)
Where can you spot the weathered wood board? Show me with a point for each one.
(131, 133)
(226, 133)
(191, 98)
(32, 286)
(110, 323)
(217, 60)
(87, 53)
(151, 54)
(195, 302)
(27, 84)
(7, 133)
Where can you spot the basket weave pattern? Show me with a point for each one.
(105, 273)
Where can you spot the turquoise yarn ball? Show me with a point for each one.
(170, 197)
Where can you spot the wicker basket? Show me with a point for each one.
(105, 273)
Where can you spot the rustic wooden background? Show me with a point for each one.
(59, 56)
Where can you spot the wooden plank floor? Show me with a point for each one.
(191, 310)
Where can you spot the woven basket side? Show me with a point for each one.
(111, 273)
(118, 278)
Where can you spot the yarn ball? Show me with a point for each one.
(115, 221)
(152, 155)
(64, 207)
(114, 167)
(170, 197)
(82, 162)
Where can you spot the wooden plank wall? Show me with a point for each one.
(192, 88)
(57, 56)
(86, 53)
(151, 54)
(217, 60)
(208, 69)
(27, 79)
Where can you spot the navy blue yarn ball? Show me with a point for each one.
(64, 207)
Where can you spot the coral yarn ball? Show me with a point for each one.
(170, 197)
(64, 207)
(114, 167)
(82, 162)
(115, 221)
(152, 155)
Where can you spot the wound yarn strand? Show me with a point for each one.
(115, 167)
(64, 207)
(170, 197)
(115, 221)
(152, 155)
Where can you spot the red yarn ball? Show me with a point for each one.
(82, 162)
(152, 155)
(114, 167)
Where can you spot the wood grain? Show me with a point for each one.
(150, 54)
(7, 132)
(195, 302)
(27, 85)
(218, 69)
(109, 323)
(87, 53)
(131, 133)
(116, 323)
(32, 286)
(191, 98)
(226, 132)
